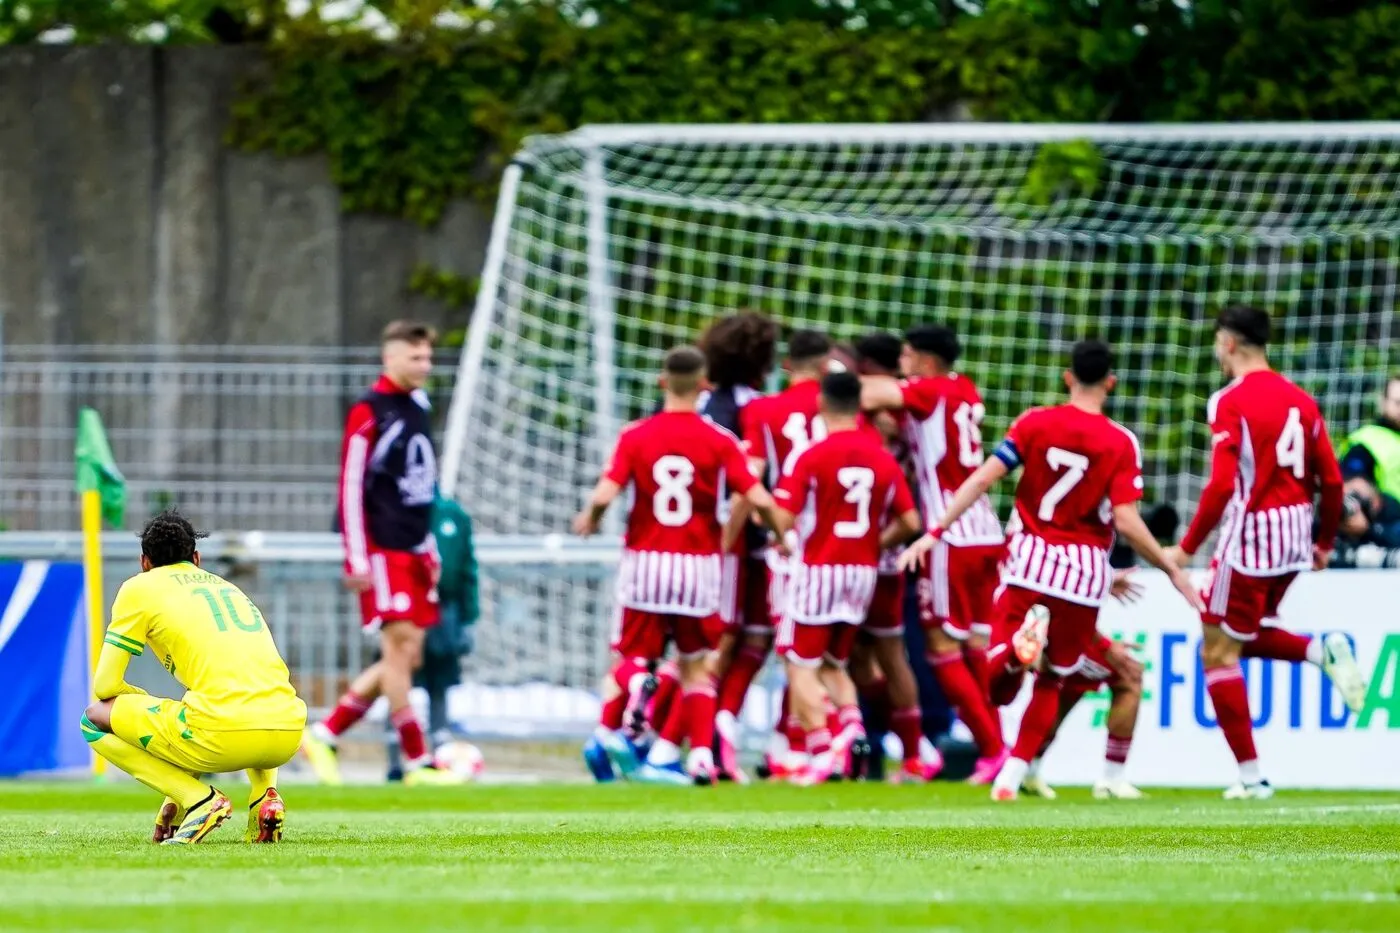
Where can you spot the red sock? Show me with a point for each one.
(908, 724)
(1278, 644)
(849, 716)
(350, 710)
(674, 725)
(1038, 719)
(699, 706)
(1004, 676)
(966, 697)
(415, 749)
(1231, 701)
(747, 663)
(668, 688)
(622, 673)
(818, 741)
(1117, 749)
(975, 657)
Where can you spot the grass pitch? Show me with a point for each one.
(861, 857)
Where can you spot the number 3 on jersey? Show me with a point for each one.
(1074, 466)
(859, 482)
(672, 503)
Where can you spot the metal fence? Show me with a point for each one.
(243, 437)
(541, 646)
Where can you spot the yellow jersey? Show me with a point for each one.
(213, 640)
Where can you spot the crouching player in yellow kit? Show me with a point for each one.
(239, 711)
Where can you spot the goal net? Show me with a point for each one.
(613, 244)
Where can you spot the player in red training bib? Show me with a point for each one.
(943, 426)
(1081, 479)
(1270, 456)
(847, 500)
(680, 468)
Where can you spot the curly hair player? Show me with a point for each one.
(239, 712)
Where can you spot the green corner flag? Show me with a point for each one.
(97, 471)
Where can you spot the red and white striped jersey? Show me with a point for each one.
(843, 490)
(943, 428)
(1270, 456)
(779, 427)
(1077, 466)
(680, 468)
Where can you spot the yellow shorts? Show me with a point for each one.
(158, 725)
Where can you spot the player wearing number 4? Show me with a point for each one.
(680, 467)
(1270, 456)
(239, 711)
(1081, 479)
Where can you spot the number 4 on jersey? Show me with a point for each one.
(1291, 448)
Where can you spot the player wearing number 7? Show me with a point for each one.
(1270, 456)
(1081, 480)
(239, 711)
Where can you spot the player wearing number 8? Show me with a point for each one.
(239, 711)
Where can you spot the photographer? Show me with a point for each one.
(1369, 535)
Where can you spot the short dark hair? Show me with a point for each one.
(1091, 361)
(739, 348)
(881, 349)
(684, 360)
(841, 392)
(169, 538)
(408, 332)
(804, 346)
(1248, 323)
(935, 339)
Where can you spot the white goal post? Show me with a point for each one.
(612, 244)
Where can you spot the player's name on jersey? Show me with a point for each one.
(200, 576)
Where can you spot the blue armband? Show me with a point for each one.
(1007, 453)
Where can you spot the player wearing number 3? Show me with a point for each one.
(680, 467)
(1081, 479)
(1270, 456)
(239, 710)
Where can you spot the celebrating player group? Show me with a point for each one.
(792, 521)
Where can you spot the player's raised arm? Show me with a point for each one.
(976, 486)
(877, 392)
(1224, 464)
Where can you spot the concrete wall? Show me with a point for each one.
(124, 218)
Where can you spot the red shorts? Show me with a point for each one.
(1239, 603)
(1095, 671)
(958, 590)
(401, 590)
(808, 645)
(885, 618)
(1073, 628)
(643, 635)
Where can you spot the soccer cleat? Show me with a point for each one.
(201, 820)
(167, 819)
(821, 769)
(917, 771)
(265, 818)
(858, 758)
(620, 753)
(322, 757)
(729, 761)
(1116, 790)
(429, 776)
(985, 770)
(700, 765)
(597, 761)
(1339, 663)
(1261, 790)
(673, 775)
(1036, 786)
(1003, 794)
(1029, 641)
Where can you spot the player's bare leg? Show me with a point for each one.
(1122, 721)
(849, 744)
(809, 700)
(401, 649)
(1220, 656)
(318, 744)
